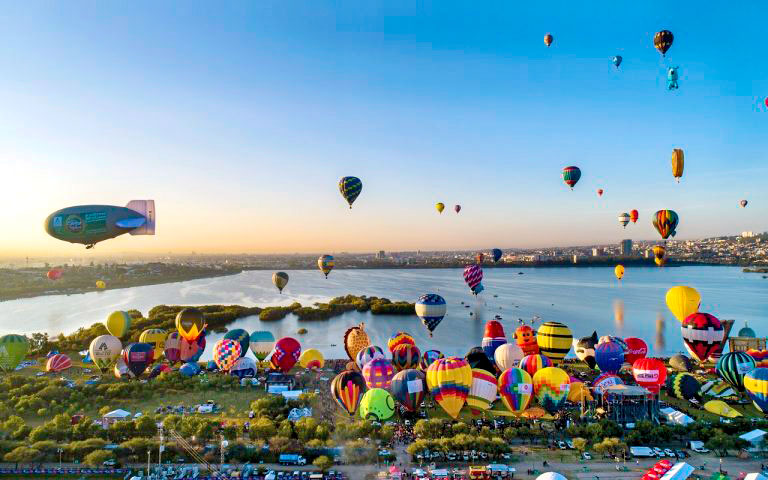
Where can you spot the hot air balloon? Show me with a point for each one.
(54, 274)
(118, 323)
(431, 309)
(473, 275)
(604, 381)
(665, 222)
(261, 344)
(428, 357)
(405, 357)
(191, 351)
(550, 387)
(636, 349)
(479, 258)
(525, 337)
(311, 359)
(378, 373)
(515, 389)
(578, 392)
(347, 388)
(377, 404)
(743, 203)
(756, 385)
(623, 219)
(409, 387)
(172, 347)
(449, 380)
(367, 354)
(225, 353)
(355, 339)
(732, 367)
(158, 369)
(554, 341)
(548, 39)
(496, 253)
(440, 206)
(683, 386)
(104, 351)
(58, 363)
(617, 60)
(287, 352)
(156, 338)
(571, 176)
(678, 163)
(240, 336)
(680, 362)
(609, 357)
(482, 392)
(243, 367)
(13, 349)
(610, 338)
(350, 188)
(760, 356)
(121, 369)
(584, 348)
(280, 280)
(702, 334)
(508, 356)
(683, 301)
(663, 40)
(649, 373)
(477, 358)
(672, 77)
(399, 338)
(658, 253)
(457, 208)
(137, 357)
(189, 369)
(325, 263)
(599, 192)
(493, 337)
(190, 323)
(533, 363)
(634, 215)
(101, 284)
(619, 271)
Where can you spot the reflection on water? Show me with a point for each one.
(585, 299)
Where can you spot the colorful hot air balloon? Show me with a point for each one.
(617, 60)
(525, 337)
(516, 389)
(405, 357)
(350, 188)
(649, 373)
(440, 206)
(431, 309)
(449, 380)
(658, 253)
(476, 358)
(732, 367)
(578, 392)
(367, 354)
(137, 357)
(156, 338)
(378, 373)
(599, 192)
(159, 369)
(665, 222)
(121, 369)
(683, 386)
(756, 385)
(636, 349)
(604, 381)
(118, 323)
(347, 388)
(634, 215)
(172, 350)
(409, 387)
(190, 323)
(377, 404)
(482, 392)
(554, 341)
(189, 369)
(287, 352)
(550, 387)
(584, 348)
(261, 344)
(743, 203)
(104, 351)
(225, 353)
(619, 271)
(680, 363)
(533, 363)
(548, 38)
(496, 253)
(508, 356)
(54, 274)
(399, 338)
(473, 275)
(355, 339)
(13, 349)
(678, 163)
(609, 357)
(760, 356)
(457, 208)
(702, 334)
(240, 336)
(663, 40)
(571, 176)
(683, 301)
(493, 337)
(280, 280)
(311, 359)
(326, 263)
(58, 363)
(191, 351)
(623, 219)
(244, 367)
(428, 357)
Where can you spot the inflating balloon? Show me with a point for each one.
(732, 367)
(405, 357)
(683, 386)
(104, 351)
(280, 280)
(584, 348)
(680, 363)
(428, 357)
(516, 389)
(571, 176)
(159, 369)
(525, 337)
(240, 336)
(189, 369)
(286, 354)
(156, 338)
(554, 341)
(636, 349)
(13, 349)
(311, 359)
(377, 404)
(550, 387)
(683, 301)
(243, 367)
(482, 392)
(326, 263)
(533, 363)
(118, 323)
(476, 358)
(350, 188)
(508, 356)
(604, 381)
(493, 337)
(191, 351)
(378, 373)
(756, 385)
(58, 363)
(702, 334)
(449, 380)
(409, 387)
(225, 353)
(190, 322)
(347, 389)
(54, 274)
(649, 373)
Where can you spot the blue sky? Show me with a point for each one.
(239, 118)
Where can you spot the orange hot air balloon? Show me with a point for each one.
(634, 215)
(525, 337)
(548, 39)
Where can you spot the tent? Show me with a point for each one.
(755, 438)
(675, 417)
(680, 471)
(755, 476)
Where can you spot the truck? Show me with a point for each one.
(642, 452)
(698, 446)
(291, 459)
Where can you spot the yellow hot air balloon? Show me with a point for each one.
(440, 206)
(659, 261)
(678, 161)
(311, 359)
(449, 380)
(578, 393)
(100, 284)
(683, 301)
(554, 340)
(118, 323)
(280, 280)
(619, 271)
(190, 322)
(155, 337)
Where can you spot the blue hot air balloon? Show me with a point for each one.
(609, 357)
(617, 60)
(497, 253)
(431, 308)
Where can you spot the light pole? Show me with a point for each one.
(149, 456)
(59, 451)
(160, 447)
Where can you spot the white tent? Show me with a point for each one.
(755, 438)
(680, 471)
(755, 476)
(676, 417)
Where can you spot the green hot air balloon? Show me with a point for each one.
(350, 188)
(13, 349)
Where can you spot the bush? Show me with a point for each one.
(23, 455)
(97, 458)
(323, 463)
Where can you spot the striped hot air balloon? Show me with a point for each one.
(473, 275)
(347, 388)
(683, 386)
(172, 350)
(449, 380)
(350, 188)
(550, 387)
(367, 354)
(533, 363)
(493, 338)
(702, 334)
(732, 367)
(606, 380)
(609, 357)
(482, 392)
(554, 341)
(428, 357)
(261, 344)
(378, 373)
(760, 356)
(155, 337)
(516, 389)
(405, 357)
(225, 353)
(756, 385)
(665, 222)
(118, 323)
(326, 263)
(58, 363)
(571, 176)
(431, 309)
(409, 387)
(399, 338)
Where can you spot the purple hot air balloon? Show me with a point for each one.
(473, 275)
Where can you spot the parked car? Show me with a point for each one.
(669, 452)
(659, 452)
(586, 456)
(110, 463)
(682, 454)
(570, 444)
(561, 444)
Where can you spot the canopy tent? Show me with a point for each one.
(680, 471)
(675, 417)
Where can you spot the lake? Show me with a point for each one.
(584, 298)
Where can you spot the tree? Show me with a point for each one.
(305, 429)
(262, 429)
(23, 455)
(97, 457)
(580, 444)
(323, 463)
(145, 426)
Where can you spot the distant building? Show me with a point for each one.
(381, 255)
(595, 252)
(626, 247)
(747, 234)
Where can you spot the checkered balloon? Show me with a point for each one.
(225, 353)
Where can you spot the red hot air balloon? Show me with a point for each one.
(54, 274)
(599, 192)
(457, 208)
(650, 373)
(702, 334)
(634, 215)
(636, 349)
(287, 352)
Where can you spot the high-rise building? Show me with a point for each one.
(595, 252)
(380, 255)
(626, 247)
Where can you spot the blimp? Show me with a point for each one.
(91, 224)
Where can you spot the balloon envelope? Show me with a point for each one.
(155, 337)
(516, 389)
(650, 373)
(378, 373)
(733, 366)
(497, 253)
(683, 301)
(428, 357)
(326, 263)
(347, 389)
(190, 323)
(104, 351)
(405, 357)
(118, 323)
(571, 176)
(287, 352)
(350, 188)
(13, 349)
(636, 348)
(311, 359)
(399, 338)
(525, 337)
(243, 367)
(431, 309)
(493, 337)
(226, 352)
(261, 343)
(609, 357)
(550, 387)
(137, 357)
(240, 336)
(533, 363)
(280, 280)
(482, 392)
(58, 363)
(355, 339)
(409, 387)
(554, 341)
(756, 385)
(367, 354)
(189, 369)
(508, 356)
(449, 380)
(377, 404)
(702, 334)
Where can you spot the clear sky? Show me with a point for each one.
(239, 118)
